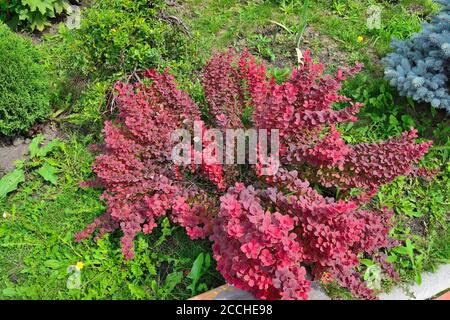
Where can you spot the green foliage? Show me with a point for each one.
(381, 117)
(118, 37)
(412, 259)
(88, 111)
(31, 14)
(43, 206)
(422, 223)
(199, 269)
(218, 24)
(24, 84)
(262, 46)
(372, 274)
(10, 182)
(117, 40)
(44, 166)
(47, 170)
(280, 74)
(38, 255)
(345, 20)
(288, 6)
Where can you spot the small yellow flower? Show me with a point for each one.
(113, 30)
(360, 38)
(79, 265)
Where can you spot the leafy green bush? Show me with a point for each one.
(31, 14)
(24, 84)
(117, 37)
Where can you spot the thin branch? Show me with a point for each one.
(176, 21)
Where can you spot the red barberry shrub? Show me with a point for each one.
(273, 234)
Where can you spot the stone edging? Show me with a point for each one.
(432, 284)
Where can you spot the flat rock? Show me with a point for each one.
(227, 292)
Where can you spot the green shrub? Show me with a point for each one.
(117, 37)
(33, 15)
(24, 84)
